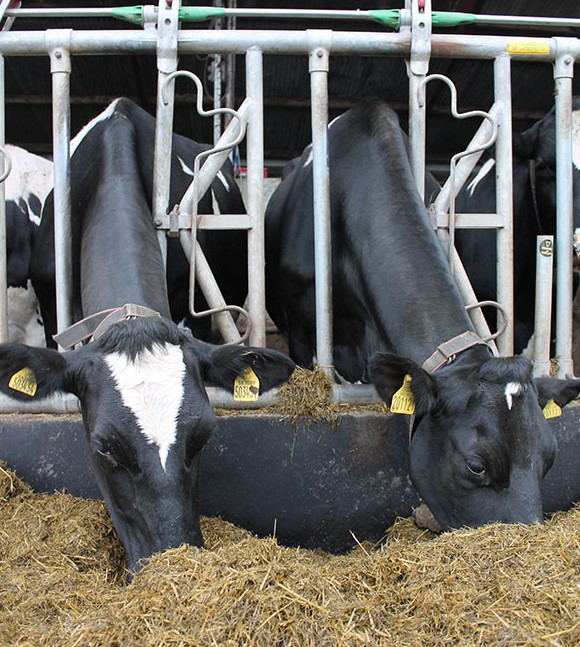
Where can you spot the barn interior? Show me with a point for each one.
(97, 80)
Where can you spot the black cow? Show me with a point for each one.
(534, 213)
(480, 443)
(224, 249)
(141, 381)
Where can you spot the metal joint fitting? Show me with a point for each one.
(320, 41)
(564, 59)
(58, 44)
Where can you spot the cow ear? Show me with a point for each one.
(27, 372)
(561, 391)
(388, 373)
(221, 365)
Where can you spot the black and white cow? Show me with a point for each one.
(224, 249)
(26, 187)
(534, 213)
(480, 443)
(141, 382)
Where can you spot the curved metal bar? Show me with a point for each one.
(7, 164)
(458, 156)
(497, 306)
(234, 114)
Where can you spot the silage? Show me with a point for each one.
(63, 582)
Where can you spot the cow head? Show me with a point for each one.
(538, 144)
(146, 416)
(480, 443)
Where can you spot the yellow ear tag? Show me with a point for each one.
(403, 401)
(246, 386)
(24, 381)
(552, 410)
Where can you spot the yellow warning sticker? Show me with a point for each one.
(403, 401)
(246, 386)
(24, 381)
(552, 410)
(538, 46)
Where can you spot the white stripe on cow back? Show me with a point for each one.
(88, 127)
(512, 389)
(151, 386)
(483, 171)
(576, 139)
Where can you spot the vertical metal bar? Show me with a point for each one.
(3, 261)
(166, 64)
(504, 203)
(543, 310)
(217, 96)
(417, 70)
(255, 197)
(563, 73)
(318, 68)
(60, 67)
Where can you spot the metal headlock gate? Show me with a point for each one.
(413, 39)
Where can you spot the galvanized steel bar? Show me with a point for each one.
(460, 46)
(563, 74)
(417, 69)
(3, 167)
(166, 64)
(504, 204)
(318, 68)
(543, 307)
(255, 197)
(57, 44)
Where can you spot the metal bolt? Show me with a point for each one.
(568, 60)
(157, 222)
(58, 54)
(319, 53)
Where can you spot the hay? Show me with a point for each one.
(62, 582)
(307, 396)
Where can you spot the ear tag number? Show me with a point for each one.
(246, 386)
(403, 401)
(552, 410)
(24, 381)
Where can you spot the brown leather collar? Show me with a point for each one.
(95, 325)
(446, 352)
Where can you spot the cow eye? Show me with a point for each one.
(477, 470)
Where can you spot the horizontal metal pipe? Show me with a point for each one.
(33, 43)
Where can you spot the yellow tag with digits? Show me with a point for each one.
(24, 381)
(552, 410)
(403, 401)
(246, 386)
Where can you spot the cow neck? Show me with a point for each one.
(534, 191)
(92, 327)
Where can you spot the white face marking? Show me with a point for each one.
(215, 204)
(576, 139)
(85, 129)
(30, 174)
(184, 166)
(512, 389)
(483, 171)
(152, 388)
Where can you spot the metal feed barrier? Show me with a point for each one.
(413, 39)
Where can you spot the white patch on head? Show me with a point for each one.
(512, 389)
(576, 139)
(215, 204)
(308, 159)
(184, 166)
(483, 171)
(86, 129)
(152, 388)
